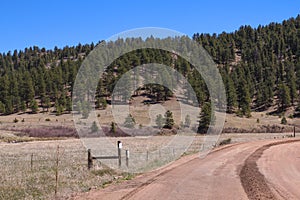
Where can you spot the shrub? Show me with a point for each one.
(15, 120)
(103, 172)
(224, 142)
(48, 132)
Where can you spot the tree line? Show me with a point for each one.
(260, 68)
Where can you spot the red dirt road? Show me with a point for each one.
(254, 170)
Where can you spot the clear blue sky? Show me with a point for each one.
(65, 22)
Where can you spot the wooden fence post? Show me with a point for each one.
(147, 156)
(56, 170)
(127, 158)
(90, 159)
(119, 152)
(31, 162)
(294, 131)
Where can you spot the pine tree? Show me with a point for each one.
(34, 106)
(159, 121)
(283, 120)
(86, 108)
(113, 127)
(58, 108)
(23, 106)
(47, 103)
(206, 117)
(284, 98)
(28, 89)
(291, 83)
(129, 121)
(9, 106)
(169, 121)
(187, 121)
(244, 99)
(69, 104)
(2, 108)
(230, 95)
(94, 127)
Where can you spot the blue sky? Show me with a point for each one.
(65, 22)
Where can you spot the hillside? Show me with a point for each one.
(260, 68)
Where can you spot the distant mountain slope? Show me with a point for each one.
(260, 68)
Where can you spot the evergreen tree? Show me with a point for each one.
(2, 108)
(28, 89)
(23, 106)
(159, 121)
(86, 108)
(291, 83)
(187, 121)
(230, 95)
(283, 120)
(206, 117)
(169, 121)
(94, 127)
(47, 103)
(113, 127)
(284, 98)
(58, 108)
(9, 106)
(69, 104)
(244, 99)
(34, 106)
(129, 121)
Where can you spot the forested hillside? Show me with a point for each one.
(260, 68)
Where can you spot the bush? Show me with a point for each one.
(224, 142)
(15, 120)
(48, 132)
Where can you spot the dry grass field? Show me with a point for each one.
(30, 165)
(28, 169)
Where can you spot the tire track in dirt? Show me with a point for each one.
(254, 183)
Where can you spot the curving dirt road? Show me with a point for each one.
(254, 170)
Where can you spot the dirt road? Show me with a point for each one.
(254, 170)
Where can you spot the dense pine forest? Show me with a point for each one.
(260, 68)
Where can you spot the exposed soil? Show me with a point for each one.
(253, 181)
(229, 172)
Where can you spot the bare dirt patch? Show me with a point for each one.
(253, 181)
